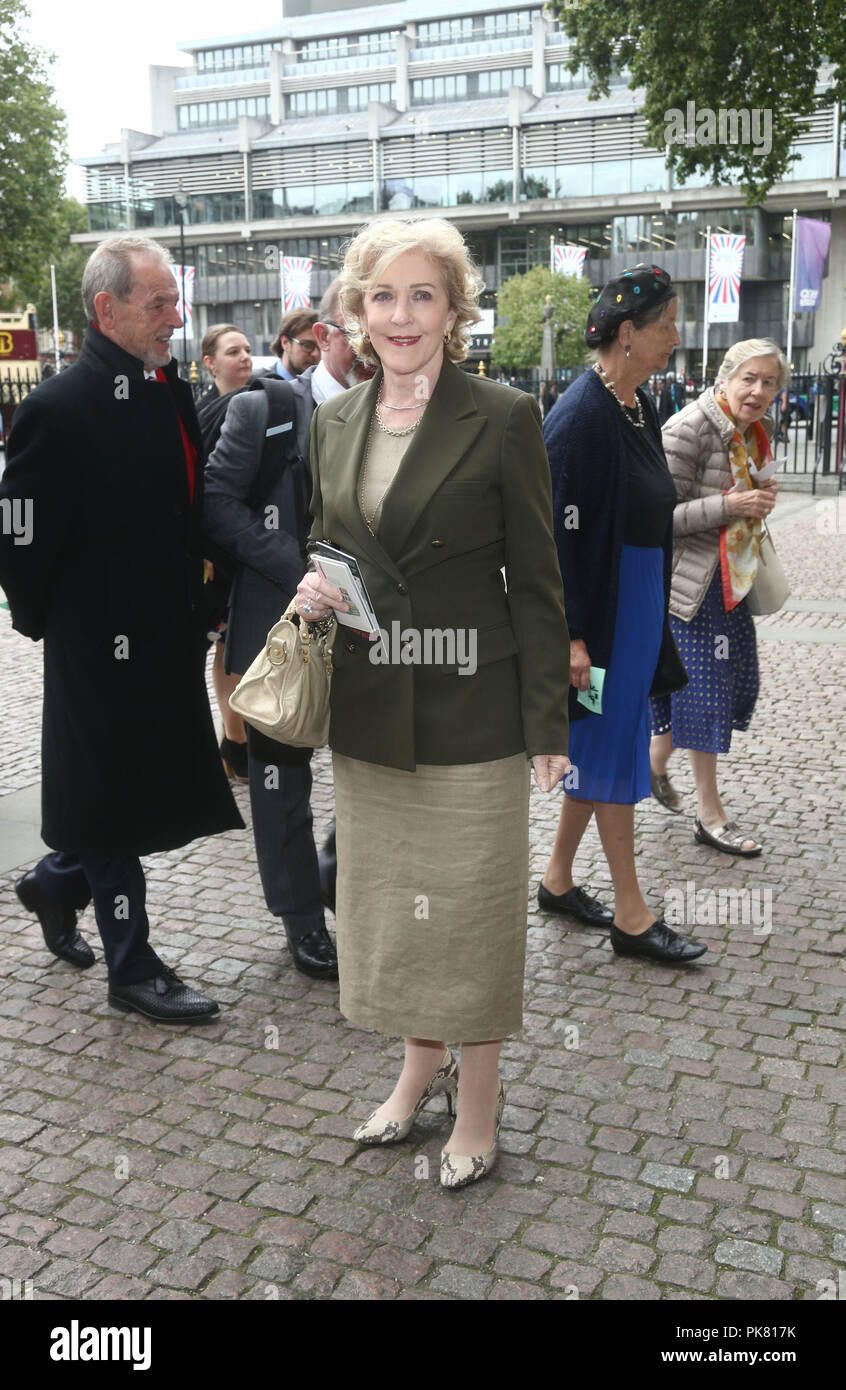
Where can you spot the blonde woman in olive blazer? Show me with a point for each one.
(432, 760)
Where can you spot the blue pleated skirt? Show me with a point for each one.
(611, 749)
(720, 655)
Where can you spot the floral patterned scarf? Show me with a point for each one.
(740, 537)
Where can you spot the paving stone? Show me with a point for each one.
(626, 1256)
(180, 1237)
(745, 1254)
(186, 1272)
(686, 1271)
(243, 1181)
(668, 1176)
(461, 1282)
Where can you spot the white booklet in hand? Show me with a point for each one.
(767, 470)
(341, 569)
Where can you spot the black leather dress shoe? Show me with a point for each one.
(327, 865)
(659, 942)
(164, 998)
(576, 903)
(58, 923)
(314, 953)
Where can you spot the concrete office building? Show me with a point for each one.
(283, 139)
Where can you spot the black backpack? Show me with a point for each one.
(280, 439)
(280, 452)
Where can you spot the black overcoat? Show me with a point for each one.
(110, 578)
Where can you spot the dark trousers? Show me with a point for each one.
(280, 792)
(119, 892)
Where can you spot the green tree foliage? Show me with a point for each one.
(69, 260)
(717, 54)
(32, 149)
(519, 329)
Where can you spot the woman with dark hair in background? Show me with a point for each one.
(613, 501)
(226, 354)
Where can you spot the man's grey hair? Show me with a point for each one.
(109, 268)
(329, 308)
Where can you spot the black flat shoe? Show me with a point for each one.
(234, 757)
(165, 999)
(659, 942)
(314, 953)
(58, 923)
(576, 903)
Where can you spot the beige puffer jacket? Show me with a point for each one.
(696, 443)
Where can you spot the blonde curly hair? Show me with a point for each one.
(379, 244)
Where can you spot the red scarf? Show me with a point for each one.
(188, 447)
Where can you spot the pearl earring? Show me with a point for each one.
(628, 349)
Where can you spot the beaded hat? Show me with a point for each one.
(627, 296)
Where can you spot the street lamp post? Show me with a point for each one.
(181, 200)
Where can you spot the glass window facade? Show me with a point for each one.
(469, 86)
(426, 90)
(243, 56)
(445, 31)
(472, 27)
(594, 178)
(328, 101)
(226, 205)
(523, 248)
(559, 78)
(209, 113)
(312, 200)
(508, 22)
(346, 46)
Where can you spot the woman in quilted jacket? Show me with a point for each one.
(715, 448)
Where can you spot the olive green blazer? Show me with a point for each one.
(472, 495)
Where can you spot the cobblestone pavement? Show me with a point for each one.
(668, 1134)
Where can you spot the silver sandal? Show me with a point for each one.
(729, 839)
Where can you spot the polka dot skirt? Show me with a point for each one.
(720, 655)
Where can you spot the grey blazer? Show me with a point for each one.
(266, 535)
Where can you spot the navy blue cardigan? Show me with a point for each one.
(585, 443)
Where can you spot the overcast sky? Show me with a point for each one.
(104, 49)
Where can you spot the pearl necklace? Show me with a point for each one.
(637, 424)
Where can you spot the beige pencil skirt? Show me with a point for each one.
(433, 870)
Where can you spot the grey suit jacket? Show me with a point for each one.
(266, 535)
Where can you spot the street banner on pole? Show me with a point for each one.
(812, 241)
(567, 259)
(296, 278)
(185, 310)
(724, 275)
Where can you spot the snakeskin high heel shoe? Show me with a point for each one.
(391, 1131)
(457, 1170)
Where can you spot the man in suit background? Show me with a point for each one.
(240, 488)
(107, 458)
(295, 345)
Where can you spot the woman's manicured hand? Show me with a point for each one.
(549, 769)
(579, 665)
(316, 598)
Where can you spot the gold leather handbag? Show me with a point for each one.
(285, 692)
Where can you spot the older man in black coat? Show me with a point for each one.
(106, 461)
